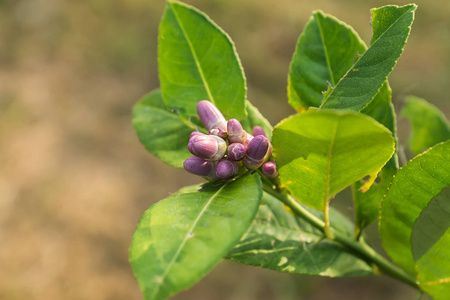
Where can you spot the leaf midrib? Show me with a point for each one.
(188, 234)
(327, 175)
(384, 32)
(352, 67)
(194, 54)
(325, 50)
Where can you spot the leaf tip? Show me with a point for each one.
(318, 12)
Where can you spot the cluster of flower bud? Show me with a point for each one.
(228, 148)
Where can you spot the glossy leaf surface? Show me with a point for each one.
(255, 118)
(198, 61)
(161, 131)
(412, 189)
(318, 154)
(429, 125)
(391, 28)
(330, 47)
(430, 241)
(325, 51)
(181, 238)
(367, 204)
(279, 241)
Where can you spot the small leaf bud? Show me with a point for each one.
(209, 147)
(236, 151)
(210, 116)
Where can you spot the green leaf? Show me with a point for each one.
(430, 241)
(391, 28)
(367, 204)
(411, 190)
(181, 238)
(325, 51)
(319, 153)
(161, 131)
(431, 225)
(429, 125)
(255, 118)
(198, 61)
(282, 242)
(330, 47)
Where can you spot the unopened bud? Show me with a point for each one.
(258, 131)
(209, 147)
(194, 133)
(256, 152)
(236, 134)
(210, 116)
(249, 138)
(217, 131)
(257, 148)
(227, 169)
(269, 169)
(198, 166)
(236, 151)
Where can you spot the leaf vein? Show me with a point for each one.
(194, 54)
(186, 238)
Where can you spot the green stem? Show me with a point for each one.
(360, 247)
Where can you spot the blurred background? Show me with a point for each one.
(74, 179)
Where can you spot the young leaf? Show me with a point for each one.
(367, 204)
(429, 125)
(320, 153)
(160, 130)
(181, 238)
(430, 241)
(411, 190)
(391, 28)
(330, 47)
(255, 118)
(282, 242)
(198, 61)
(325, 51)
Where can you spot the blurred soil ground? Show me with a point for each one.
(74, 179)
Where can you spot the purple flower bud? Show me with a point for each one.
(209, 147)
(236, 151)
(227, 169)
(198, 166)
(248, 140)
(256, 152)
(194, 133)
(270, 169)
(252, 164)
(258, 131)
(235, 132)
(210, 116)
(217, 131)
(257, 148)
